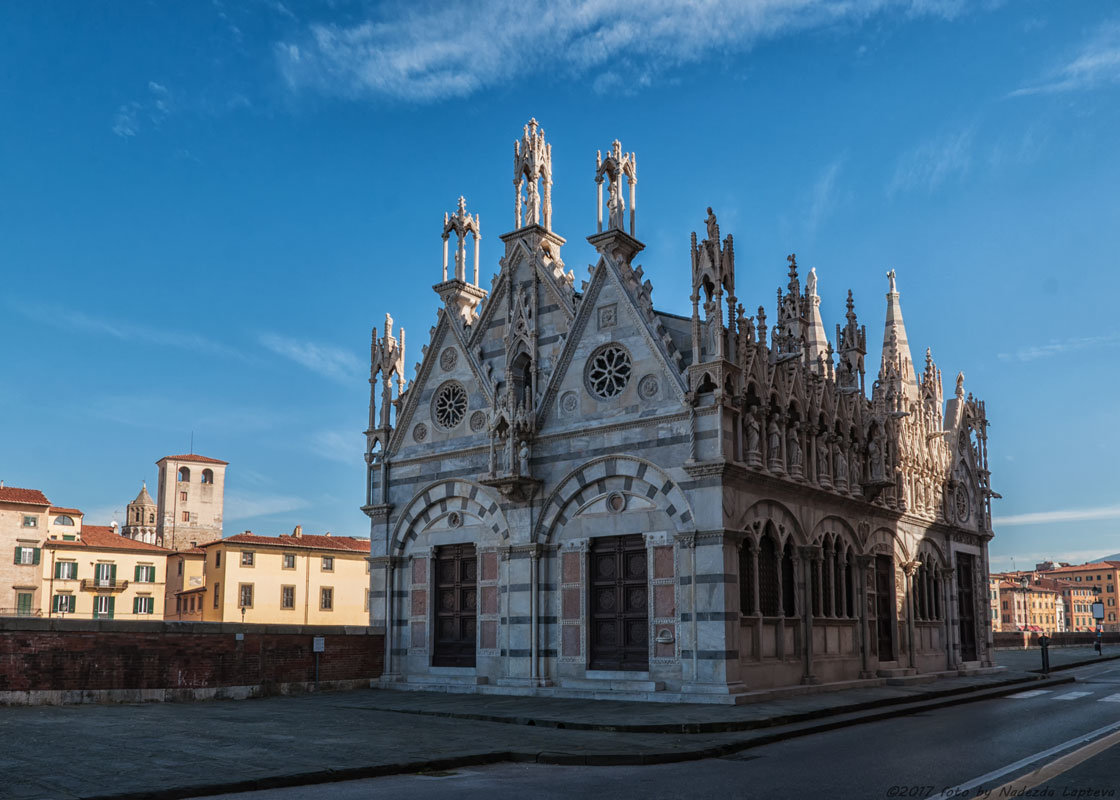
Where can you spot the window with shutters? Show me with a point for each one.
(287, 597)
(24, 602)
(104, 574)
(103, 606)
(186, 516)
(145, 573)
(66, 570)
(65, 603)
(143, 605)
(27, 555)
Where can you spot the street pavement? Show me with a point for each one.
(982, 749)
(196, 749)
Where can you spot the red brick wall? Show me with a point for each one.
(69, 655)
(1022, 639)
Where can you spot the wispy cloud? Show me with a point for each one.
(1096, 63)
(1063, 515)
(932, 162)
(126, 331)
(345, 447)
(426, 51)
(822, 198)
(240, 505)
(1054, 348)
(330, 362)
(154, 108)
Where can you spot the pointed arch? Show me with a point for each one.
(786, 525)
(606, 474)
(437, 500)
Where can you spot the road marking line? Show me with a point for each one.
(1071, 695)
(1020, 786)
(1112, 698)
(960, 790)
(1031, 693)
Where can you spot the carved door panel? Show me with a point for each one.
(884, 607)
(966, 606)
(618, 604)
(456, 605)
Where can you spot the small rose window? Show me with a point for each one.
(450, 405)
(608, 371)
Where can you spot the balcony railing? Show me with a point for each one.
(93, 584)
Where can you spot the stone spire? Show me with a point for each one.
(896, 347)
(816, 342)
(460, 295)
(612, 169)
(532, 179)
(851, 343)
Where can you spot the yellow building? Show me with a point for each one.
(1102, 578)
(24, 520)
(102, 575)
(298, 579)
(186, 584)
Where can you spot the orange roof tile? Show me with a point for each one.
(60, 510)
(193, 457)
(307, 541)
(27, 497)
(1093, 565)
(102, 536)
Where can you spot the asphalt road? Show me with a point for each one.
(1062, 742)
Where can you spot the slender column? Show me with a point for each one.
(390, 573)
(810, 558)
(909, 569)
(534, 609)
(864, 566)
(476, 241)
(634, 207)
(444, 260)
(945, 575)
(599, 204)
(461, 258)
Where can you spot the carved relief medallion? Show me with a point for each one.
(961, 504)
(448, 358)
(478, 421)
(608, 316)
(648, 387)
(420, 432)
(569, 402)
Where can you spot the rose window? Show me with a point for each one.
(450, 405)
(608, 371)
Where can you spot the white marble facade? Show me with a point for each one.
(794, 524)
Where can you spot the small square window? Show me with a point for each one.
(183, 496)
(326, 598)
(289, 561)
(30, 521)
(246, 558)
(186, 516)
(328, 563)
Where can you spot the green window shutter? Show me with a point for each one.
(36, 561)
(17, 556)
(112, 604)
(57, 575)
(136, 603)
(137, 578)
(57, 598)
(112, 575)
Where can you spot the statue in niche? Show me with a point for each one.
(841, 465)
(793, 448)
(811, 282)
(875, 456)
(615, 204)
(523, 458)
(822, 456)
(754, 432)
(774, 435)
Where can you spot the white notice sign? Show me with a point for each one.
(318, 644)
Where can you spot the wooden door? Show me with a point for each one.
(618, 604)
(456, 605)
(884, 607)
(966, 606)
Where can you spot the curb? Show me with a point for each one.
(570, 759)
(733, 726)
(1073, 665)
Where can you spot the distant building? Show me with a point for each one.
(186, 584)
(24, 524)
(993, 598)
(102, 575)
(296, 579)
(188, 509)
(1100, 577)
(140, 519)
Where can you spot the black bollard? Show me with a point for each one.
(1044, 643)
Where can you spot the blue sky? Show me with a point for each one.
(206, 206)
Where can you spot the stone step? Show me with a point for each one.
(612, 684)
(895, 672)
(447, 680)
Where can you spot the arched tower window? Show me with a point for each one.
(184, 475)
(207, 476)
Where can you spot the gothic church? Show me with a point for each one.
(578, 493)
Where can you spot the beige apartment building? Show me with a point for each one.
(186, 585)
(102, 575)
(24, 524)
(295, 578)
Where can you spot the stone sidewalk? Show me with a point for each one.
(169, 750)
(1060, 657)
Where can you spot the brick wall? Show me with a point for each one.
(1021, 639)
(80, 655)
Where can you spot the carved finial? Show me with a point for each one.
(960, 384)
(890, 277)
(792, 259)
(851, 315)
(462, 206)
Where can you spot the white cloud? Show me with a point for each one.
(932, 162)
(426, 51)
(244, 506)
(1063, 515)
(331, 362)
(124, 122)
(1096, 63)
(1037, 351)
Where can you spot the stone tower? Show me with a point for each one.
(140, 520)
(191, 492)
